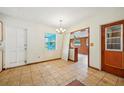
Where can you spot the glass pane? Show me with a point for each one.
(116, 34)
(108, 40)
(113, 40)
(108, 46)
(108, 35)
(113, 37)
(116, 28)
(113, 46)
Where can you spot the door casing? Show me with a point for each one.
(88, 29)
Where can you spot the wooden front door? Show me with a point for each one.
(113, 48)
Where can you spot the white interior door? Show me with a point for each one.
(66, 46)
(1, 52)
(15, 47)
(1, 61)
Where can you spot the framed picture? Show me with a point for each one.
(50, 41)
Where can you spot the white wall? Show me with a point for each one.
(95, 32)
(36, 45)
(35, 40)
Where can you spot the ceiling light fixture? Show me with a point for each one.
(60, 30)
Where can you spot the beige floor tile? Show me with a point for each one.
(13, 82)
(4, 79)
(34, 78)
(36, 73)
(81, 78)
(105, 82)
(51, 82)
(3, 82)
(120, 82)
(99, 74)
(26, 82)
(57, 73)
(26, 79)
(110, 78)
(37, 81)
(14, 78)
(91, 80)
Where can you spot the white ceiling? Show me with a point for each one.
(51, 15)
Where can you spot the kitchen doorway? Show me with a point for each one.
(79, 43)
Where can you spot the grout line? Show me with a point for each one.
(20, 77)
(117, 81)
(100, 79)
(31, 76)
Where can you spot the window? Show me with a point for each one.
(114, 38)
(50, 41)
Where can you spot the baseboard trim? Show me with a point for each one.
(71, 60)
(44, 61)
(33, 63)
(94, 68)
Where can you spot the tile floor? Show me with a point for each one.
(57, 73)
